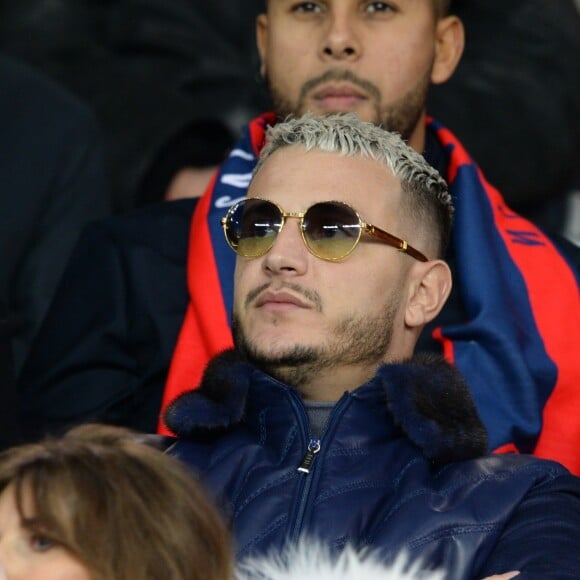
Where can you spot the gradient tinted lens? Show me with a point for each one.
(252, 226)
(331, 230)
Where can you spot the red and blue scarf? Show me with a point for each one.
(519, 347)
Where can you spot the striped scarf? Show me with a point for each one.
(517, 348)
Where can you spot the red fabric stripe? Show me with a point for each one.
(446, 344)
(200, 337)
(258, 131)
(459, 157)
(507, 448)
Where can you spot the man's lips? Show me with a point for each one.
(277, 300)
(341, 94)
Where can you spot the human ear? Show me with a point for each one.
(262, 40)
(428, 291)
(450, 42)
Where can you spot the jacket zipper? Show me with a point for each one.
(308, 459)
(307, 465)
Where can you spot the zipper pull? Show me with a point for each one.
(308, 459)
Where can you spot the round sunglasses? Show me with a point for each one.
(331, 230)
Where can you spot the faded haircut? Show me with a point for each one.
(442, 8)
(426, 200)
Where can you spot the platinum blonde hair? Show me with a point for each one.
(426, 198)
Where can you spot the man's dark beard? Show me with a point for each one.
(355, 341)
(401, 117)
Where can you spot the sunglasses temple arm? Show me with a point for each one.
(395, 242)
(413, 252)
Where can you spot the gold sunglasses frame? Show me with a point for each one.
(364, 227)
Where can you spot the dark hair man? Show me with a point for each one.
(321, 424)
(107, 343)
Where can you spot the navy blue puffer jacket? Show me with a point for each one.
(398, 467)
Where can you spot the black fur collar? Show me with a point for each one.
(427, 397)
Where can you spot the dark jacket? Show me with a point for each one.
(104, 349)
(52, 183)
(400, 467)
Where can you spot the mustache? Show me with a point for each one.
(338, 75)
(310, 295)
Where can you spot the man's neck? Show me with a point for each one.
(331, 384)
(416, 139)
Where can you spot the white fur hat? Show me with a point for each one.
(311, 561)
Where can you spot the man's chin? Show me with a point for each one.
(274, 356)
(267, 350)
(292, 366)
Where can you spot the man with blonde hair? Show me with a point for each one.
(321, 423)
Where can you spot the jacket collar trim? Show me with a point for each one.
(427, 398)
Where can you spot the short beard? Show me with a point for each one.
(354, 341)
(401, 117)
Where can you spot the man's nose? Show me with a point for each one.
(341, 39)
(289, 254)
